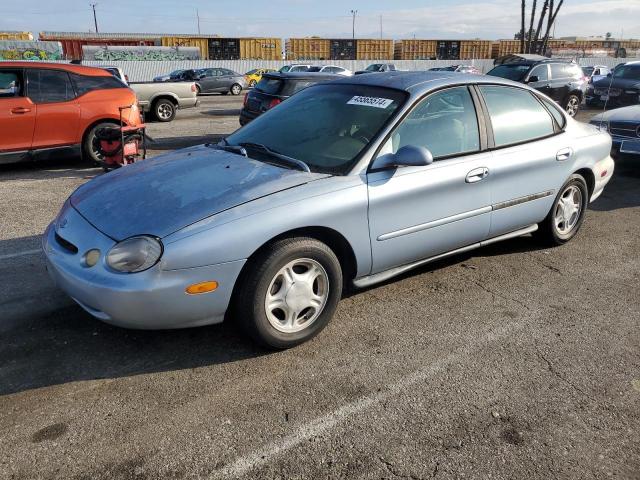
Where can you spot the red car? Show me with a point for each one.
(48, 110)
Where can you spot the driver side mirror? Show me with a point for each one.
(407, 156)
(533, 79)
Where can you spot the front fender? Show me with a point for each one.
(337, 203)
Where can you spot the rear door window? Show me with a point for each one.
(49, 86)
(559, 70)
(516, 115)
(84, 83)
(10, 83)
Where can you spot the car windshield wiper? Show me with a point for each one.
(224, 145)
(289, 161)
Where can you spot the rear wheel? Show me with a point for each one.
(236, 89)
(289, 292)
(164, 110)
(567, 213)
(573, 105)
(90, 152)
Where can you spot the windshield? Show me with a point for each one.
(251, 72)
(175, 72)
(325, 126)
(512, 72)
(373, 68)
(629, 72)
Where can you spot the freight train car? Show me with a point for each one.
(11, 35)
(72, 42)
(341, 49)
(470, 49)
(415, 49)
(312, 48)
(142, 53)
(260, 48)
(374, 49)
(201, 43)
(30, 50)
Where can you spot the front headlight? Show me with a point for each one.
(602, 126)
(135, 254)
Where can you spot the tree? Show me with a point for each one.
(522, 8)
(533, 15)
(536, 40)
(552, 18)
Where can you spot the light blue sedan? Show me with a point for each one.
(346, 183)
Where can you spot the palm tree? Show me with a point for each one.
(536, 39)
(533, 15)
(523, 6)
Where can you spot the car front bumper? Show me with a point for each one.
(153, 299)
(602, 172)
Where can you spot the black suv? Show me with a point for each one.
(561, 80)
(274, 88)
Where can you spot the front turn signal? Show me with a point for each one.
(202, 287)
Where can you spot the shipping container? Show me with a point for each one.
(448, 50)
(342, 49)
(260, 48)
(26, 36)
(470, 49)
(374, 49)
(201, 43)
(312, 48)
(224, 48)
(415, 50)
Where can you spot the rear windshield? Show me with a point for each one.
(512, 72)
(630, 72)
(325, 126)
(285, 87)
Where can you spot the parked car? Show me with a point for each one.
(457, 68)
(50, 110)
(623, 124)
(220, 80)
(274, 88)
(163, 99)
(296, 67)
(563, 81)
(353, 181)
(252, 77)
(618, 89)
(165, 78)
(593, 73)
(118, 73)
(378, 67)
(331, 69)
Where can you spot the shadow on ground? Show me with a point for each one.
(172, 143)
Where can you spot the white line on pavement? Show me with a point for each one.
(320, 425)
(19, 254)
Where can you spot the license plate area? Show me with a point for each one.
(630, 146)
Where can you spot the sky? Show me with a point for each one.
(434, 19)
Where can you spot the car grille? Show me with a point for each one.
(614, 92)
(67, 245)
(624, 129)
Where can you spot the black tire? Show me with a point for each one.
(198, 90)
(236, 89)
(572, 105)
(164, 110)
(252, 84)
(90, 155)
(548, 232)
(259, 276)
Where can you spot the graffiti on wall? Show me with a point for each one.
(30, 50)
(124, 53)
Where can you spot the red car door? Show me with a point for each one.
(17, 112)
(58, 117)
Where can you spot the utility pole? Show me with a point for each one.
(198, 17)
(353, 28)
(95, 19)
(380, 27)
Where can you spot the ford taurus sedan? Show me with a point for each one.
(346, 183)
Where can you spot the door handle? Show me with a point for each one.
(477, 174)
(20, 110)
(564, 154)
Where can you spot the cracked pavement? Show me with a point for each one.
(512, 361)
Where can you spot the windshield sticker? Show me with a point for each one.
(370, 101)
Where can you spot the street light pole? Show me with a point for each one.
(95, 19)
(353, 27)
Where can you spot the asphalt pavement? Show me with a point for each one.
(510, 362)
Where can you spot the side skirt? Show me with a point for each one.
(369, 280)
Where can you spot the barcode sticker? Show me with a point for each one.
(370, 101)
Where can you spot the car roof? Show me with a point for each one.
(422, 82)
(301, 75)
(79, 69)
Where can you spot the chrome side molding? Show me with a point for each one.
(369, 280)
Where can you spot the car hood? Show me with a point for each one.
(624, 114)
(617, 83)
(162, 195)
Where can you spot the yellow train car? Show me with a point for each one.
(261, 48)
(187, 41)
(374, 49)
(415, 49)
(27, 36)
(311, 48)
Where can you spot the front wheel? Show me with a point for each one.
(573, 105)
(289, 292)
(164, 110)
(235, 89)
(567, 213)
(90, 146)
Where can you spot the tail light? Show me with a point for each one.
(274, 103)
(126, 77)
(193, 87)
(246, 98)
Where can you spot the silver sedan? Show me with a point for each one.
(346, 183)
